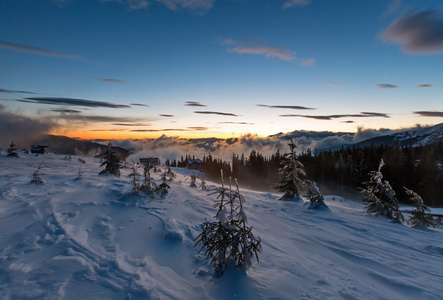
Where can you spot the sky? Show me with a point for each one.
(118, 69)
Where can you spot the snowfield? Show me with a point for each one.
(88, 239)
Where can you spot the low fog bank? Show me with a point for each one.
(173, 147)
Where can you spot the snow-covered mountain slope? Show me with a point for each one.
(418, 137)
(85, 239)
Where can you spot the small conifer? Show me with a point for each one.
(379, 196)
(419, 215)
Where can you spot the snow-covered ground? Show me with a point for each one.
(85, 239)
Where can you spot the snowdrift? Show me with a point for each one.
(90, 239)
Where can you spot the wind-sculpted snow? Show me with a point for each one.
(93, 239)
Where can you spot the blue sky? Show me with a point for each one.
(200, 68)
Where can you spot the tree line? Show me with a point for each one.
(418, 168)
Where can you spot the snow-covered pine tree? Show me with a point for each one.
(193, 179)
(148, 186)
(292, 170)
(419, 217)
(12, 150)
(134, 175)
(379, 196)
(228, 238)
(163, 189)
(111, 162)
(36, 179)
(314, 195)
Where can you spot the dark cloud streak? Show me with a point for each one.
(287, 107)
(429, 113)
(216, 113)
(36, 50)
(71, 102)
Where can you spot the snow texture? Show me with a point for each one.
(92, 239)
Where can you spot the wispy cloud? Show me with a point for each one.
(36, 50)
(331, 117)
(216, 113)
(15, 92)
(256, 48)
(131, 124)
(419, 33)
(199, 6)
(110, 80)
(292, 3)
(237, 123)
(171, 129)
(166, 116)
(67, 111)
(308, 62)
(424, 85)
(431, 113)
(333, 84)
(72, 102)
(132, 4)
(139, 104)
(347, 122)
(286, 106)
(392, 8)
(386, 86)
(194, 103)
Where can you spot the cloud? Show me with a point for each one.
(392, 8)
(385, 86)
(166, 116)
(308, 62)
(131, 124)
(110, 80)
(194, 103)
(286, 106)
(333, 84)
(424, 85)
(331, 117)
(15, 92)
(67, 111)
(236, 123)
(347, 122)
(72, 102)
(21, 129)
(132, 4)
(101, 119)
(199, 6)
(171, 129)
(292, 3)
(35, 50)
(438, 114)
(419, 33)
(138, 104)
(256, 48)
(216, 113)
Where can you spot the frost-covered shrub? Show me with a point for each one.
(228, 238)
(292, 170)
(148, 186)
(315, 197)
(419, 216)
(379, 196)
(135, 181)
(80, 174)
(193, 179)
(36, 176)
